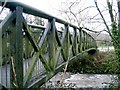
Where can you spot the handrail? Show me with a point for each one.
(36, 26)
(12, 4)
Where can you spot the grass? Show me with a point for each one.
(100, 63)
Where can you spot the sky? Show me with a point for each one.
(48, 6)
(52, 7)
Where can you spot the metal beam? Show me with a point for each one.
(18, 60)
(0, 52)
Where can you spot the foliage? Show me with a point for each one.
(101, 62)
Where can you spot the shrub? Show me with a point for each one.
(101, 63)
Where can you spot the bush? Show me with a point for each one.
(99, 63)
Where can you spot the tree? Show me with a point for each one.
(114, 32)
(110, 25)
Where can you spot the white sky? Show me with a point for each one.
(48, 6)
(52, 7)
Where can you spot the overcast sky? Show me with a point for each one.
(53, 6)
(48, 6)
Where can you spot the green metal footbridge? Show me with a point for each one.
(32, 54)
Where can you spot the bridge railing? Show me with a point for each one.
(29, 57)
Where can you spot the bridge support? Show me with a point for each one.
(0, 54)
(17, 58)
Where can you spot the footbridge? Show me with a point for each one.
(32, 54)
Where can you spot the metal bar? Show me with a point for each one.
(12, 49)
(44, 35)
(37, 26)
(31, 68)
(85, 40)
(52, 45)
(0, 53)
(4, 57)
(57, 37)
(64, 45)
(75, 46)
(30, 36)
(44, 62)
(19, 48)
(10, 17)
(80, 40)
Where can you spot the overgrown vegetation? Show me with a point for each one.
(100, 63)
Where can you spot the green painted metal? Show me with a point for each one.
(35, 53)
(52, 46)
(12, 57)
(18, 60)
(66, 44)
(30, 69)
(75, 41)
(30, 36)
(0, 52)
(80, 41)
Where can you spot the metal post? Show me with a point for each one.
(19, 47)
(17, 60)
(0, 53)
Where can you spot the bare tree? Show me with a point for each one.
(115, 26)
(114, 32)
(110, 25)
(74, 12)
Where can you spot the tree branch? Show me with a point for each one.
(110, 11)
(103, 18)
(3, 6)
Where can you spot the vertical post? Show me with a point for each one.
(80, 40)
(83, 40)
(52, 46)
(67, 42)
(19, 47)
(0, 54)
(17, 60)
(75, 45)
(86, 41)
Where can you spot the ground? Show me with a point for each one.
(81, 80)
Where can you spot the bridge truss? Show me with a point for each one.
(30, 54)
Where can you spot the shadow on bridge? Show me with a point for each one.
(32, 54)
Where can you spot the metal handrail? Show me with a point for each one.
(12, 4)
